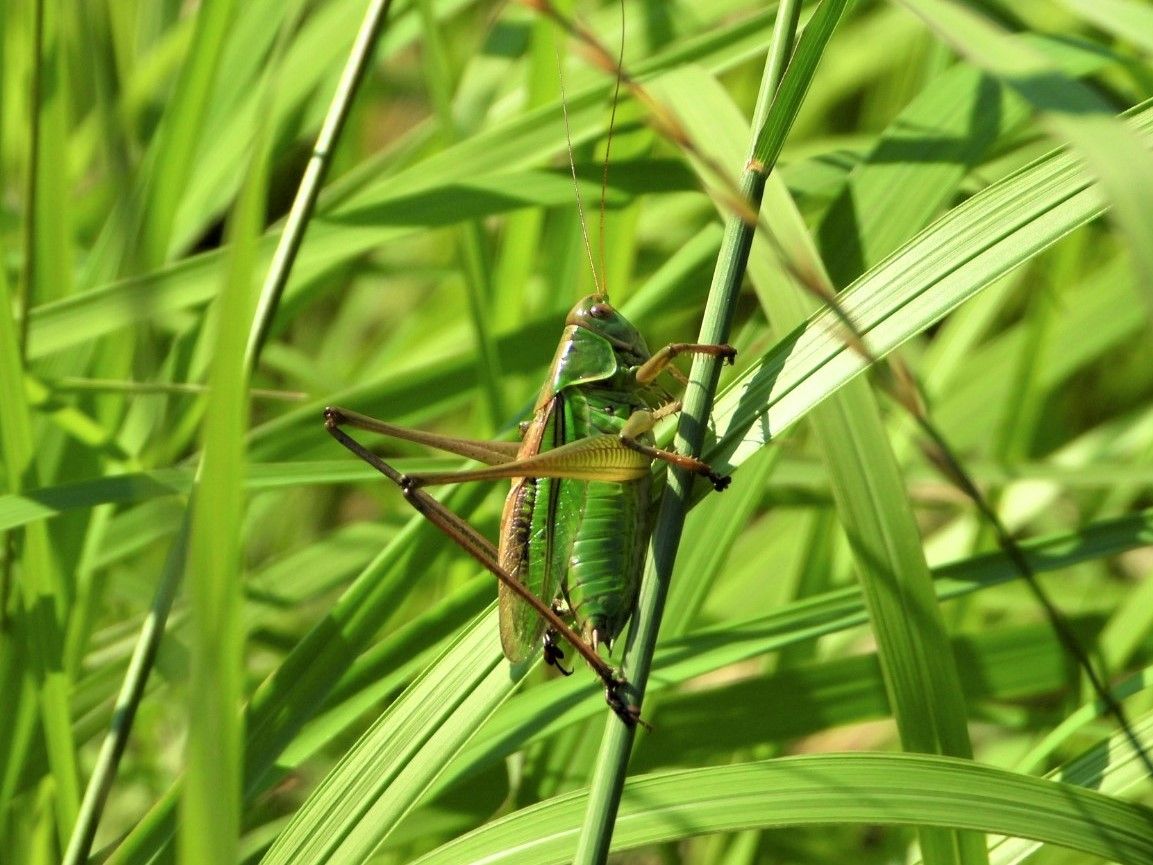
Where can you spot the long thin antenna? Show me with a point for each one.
(608, 148)
(600, 291)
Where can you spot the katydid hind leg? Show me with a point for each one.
(596, 457)
(593, 458)
(458, 529)
(669, 408)
(484, 552)
(485, 451)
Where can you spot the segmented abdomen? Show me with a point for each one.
(585, 540)
(606, 557)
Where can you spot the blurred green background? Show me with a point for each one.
(430, 291)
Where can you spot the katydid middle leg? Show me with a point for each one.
(640, 422)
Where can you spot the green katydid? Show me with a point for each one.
(575, 524)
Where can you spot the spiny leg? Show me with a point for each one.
(670, 407)
(640, 422)
(489, 452)
(699, 467)
(481, 549)
(656, 364)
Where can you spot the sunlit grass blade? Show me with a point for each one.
(384, 775)
(949, 262)
(1118, 160)
(893, 789)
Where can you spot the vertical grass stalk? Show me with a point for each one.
(148, 641)
(612, 761)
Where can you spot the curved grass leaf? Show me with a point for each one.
(887, 789)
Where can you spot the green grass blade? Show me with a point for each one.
(1000, 228)
(1127, 19)
(381, 778)
(887, 789)
(308, 192)
(215, 763)
(887, 198)
(178, 135)
(1120, 162)
(36, 634)
(612, 761)
(33, 643)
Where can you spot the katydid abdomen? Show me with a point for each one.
(588, 546)
(580, 539)
(607, 558)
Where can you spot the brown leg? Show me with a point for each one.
(692, 464)
(653, 367)
(642, 421)
(481, 549)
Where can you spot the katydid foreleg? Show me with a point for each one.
(659, 362)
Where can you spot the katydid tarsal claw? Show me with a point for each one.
(575, 524)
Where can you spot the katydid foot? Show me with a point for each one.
(553, 653)
(623, 708)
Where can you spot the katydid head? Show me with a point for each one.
(596, 314)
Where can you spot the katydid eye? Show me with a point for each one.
(600, 310)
